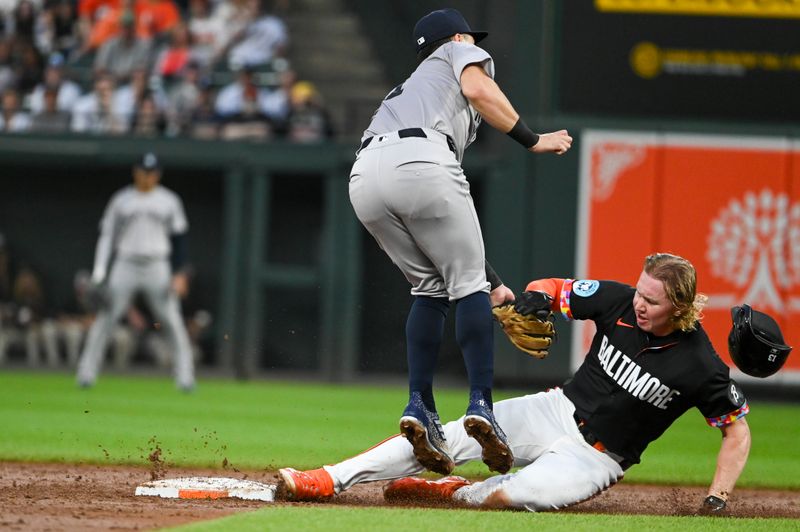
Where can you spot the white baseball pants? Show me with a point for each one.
(558, 467)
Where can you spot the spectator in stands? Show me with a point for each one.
(207, 32)
(231, 17)
(153, 19)
(8, 75)
(12, 118)
(156, 18)
(128, 98)
(308, 120)
(38, 329)
(24, 27)
(67, 92)
(275, 99)
(50, 119)
(204, 123)
(263, 39)
(96, 111)
(124, 53)
(28, 66)
(148, 120)
(244, 96)
(61, 30)
(89, 13)
(183, 97)
(248, 124)
(173, 57)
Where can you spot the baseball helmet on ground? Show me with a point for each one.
(755, 342)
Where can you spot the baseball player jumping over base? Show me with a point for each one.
(144, 226)
(409, 191)
(649, 362)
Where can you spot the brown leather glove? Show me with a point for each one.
(529, 333)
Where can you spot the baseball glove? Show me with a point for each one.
(528, 332)
(96, 297)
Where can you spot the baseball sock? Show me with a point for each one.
(424, 330)
(474, 334)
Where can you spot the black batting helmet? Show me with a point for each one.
(755, 342)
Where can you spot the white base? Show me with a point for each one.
(207, 488)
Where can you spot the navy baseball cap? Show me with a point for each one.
(149, 162)
(440, 24)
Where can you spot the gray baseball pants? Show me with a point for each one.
(153, 279)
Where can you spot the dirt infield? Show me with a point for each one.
(83, 497)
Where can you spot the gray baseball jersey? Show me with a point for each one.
(431, 97)
(136, 227)
(407, 186)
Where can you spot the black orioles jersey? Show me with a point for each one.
(632, 385)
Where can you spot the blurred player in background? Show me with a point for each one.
(144, 227)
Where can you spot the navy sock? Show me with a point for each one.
(474, 333)
(424, 330)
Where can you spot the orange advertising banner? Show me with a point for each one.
(731, 205)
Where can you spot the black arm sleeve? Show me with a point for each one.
(492, 276)
(180, 245)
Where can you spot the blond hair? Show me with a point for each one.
(680, 283)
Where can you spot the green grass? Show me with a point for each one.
(377, 519)
(269, 424)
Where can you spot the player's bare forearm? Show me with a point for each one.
(489, 100)
(731, 459)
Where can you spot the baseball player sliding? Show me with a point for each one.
(409, 191)
(649, 362)
(144, 226)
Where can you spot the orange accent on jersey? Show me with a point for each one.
(620, 322)
(550, 286)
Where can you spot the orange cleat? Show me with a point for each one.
(419, 489)
(311, 485)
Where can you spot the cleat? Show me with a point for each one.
(481, 425)
(419, 489)
(311, 485)
(422, 429)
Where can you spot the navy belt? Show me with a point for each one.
(592, 440)
(411, 132)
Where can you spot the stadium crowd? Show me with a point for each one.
(210, 69)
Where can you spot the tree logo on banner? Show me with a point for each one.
(755, 244)
(608, 162)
